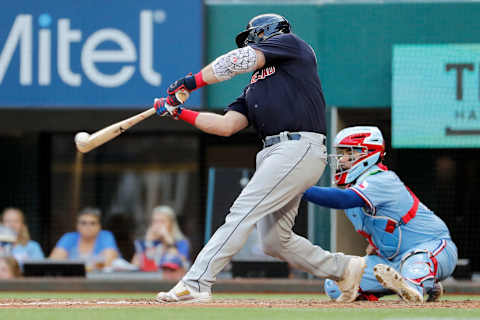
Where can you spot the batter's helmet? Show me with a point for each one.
(270, 24)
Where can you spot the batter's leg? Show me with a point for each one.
(369, 284)
(283, 172)
(278, 240)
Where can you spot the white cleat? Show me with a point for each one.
(350, 283)
(182, 294)
(391, 279)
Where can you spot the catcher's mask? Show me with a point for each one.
(358, 148)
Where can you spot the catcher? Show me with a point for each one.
(410, 249)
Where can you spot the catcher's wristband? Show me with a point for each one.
(187, 115)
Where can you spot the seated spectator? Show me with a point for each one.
(7, 238)
(89, 243)
(24, 248)
(164, 247)
(9, 268)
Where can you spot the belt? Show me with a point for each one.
(284, 136)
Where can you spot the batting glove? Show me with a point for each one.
(189, 83)
(164, 108)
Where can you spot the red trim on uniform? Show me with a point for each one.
(419, 281)
(413, 210)
(435, 265)
(390, 227)
(364, 197)
(199, 82)
(382, 166)
(435, 253)
(188, 116)
(440, 248)
(369, 238)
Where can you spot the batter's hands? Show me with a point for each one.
(164, 108)
(186, 83)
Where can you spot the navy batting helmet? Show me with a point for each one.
(270, 24)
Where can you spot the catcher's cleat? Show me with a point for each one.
(182, 294)
(350, 283)
(436, 293)
(391, 279)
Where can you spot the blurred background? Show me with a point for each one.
(411, 68)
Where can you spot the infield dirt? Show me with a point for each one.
(230, 303)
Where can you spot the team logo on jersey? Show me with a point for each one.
(262, 74)
(363, 185)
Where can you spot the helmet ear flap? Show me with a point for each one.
(241, 38)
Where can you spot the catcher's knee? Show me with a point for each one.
(331, 289)
(419, 269)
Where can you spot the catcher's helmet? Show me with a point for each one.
(369, 147)
(270, 24)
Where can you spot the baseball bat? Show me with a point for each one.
(86, 142)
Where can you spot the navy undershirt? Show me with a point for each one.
(333, 198)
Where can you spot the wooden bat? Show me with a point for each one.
(86, 142)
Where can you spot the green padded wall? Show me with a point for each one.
(353, 42)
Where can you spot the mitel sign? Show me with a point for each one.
(112, 57)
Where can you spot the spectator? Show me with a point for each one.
(9, 268)
(24, 248)
(165, 247)
(7, 239)
(90, 243)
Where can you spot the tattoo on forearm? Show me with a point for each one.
(237, 61)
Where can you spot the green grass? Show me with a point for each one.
(196, 313)
(235, 314)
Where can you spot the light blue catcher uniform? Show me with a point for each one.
(406, 234)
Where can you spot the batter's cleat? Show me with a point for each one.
(391, 279)
(182, 294)
(436, 293)
(350, 284)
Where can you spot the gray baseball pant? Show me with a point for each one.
(270, 200)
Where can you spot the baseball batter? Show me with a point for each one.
(284, 102)
(410, 248)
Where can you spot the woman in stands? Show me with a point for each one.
(89, 243)
(24, 248)
(164, 247)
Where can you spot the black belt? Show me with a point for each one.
(270, 141)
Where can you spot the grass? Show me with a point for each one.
(235, 314)
(196, 313)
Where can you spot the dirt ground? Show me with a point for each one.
(228, 303)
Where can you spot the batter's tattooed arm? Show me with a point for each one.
(235, 62)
